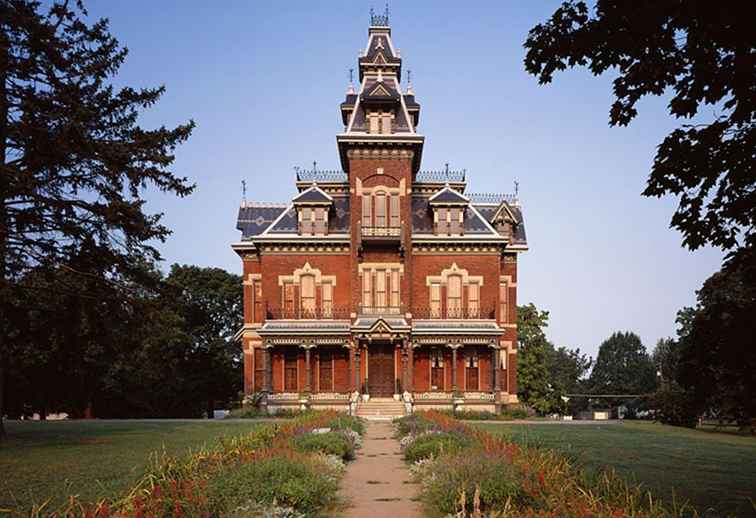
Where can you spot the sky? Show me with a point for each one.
(263, 82)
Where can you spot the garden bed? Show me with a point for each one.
(287, 469)
(465, 471)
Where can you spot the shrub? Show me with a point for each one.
(498, 482)
(251, 412)
(331, 443)
(413, 424)
(346, 422)
(296, 482)
(433, 444)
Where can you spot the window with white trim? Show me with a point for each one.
(454, 296)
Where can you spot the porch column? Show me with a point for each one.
(494, 368)
(268, 377)
(405, 364)
(357, 369)
(454, 367)
(350, 367)
(308, 370)
(411, 375)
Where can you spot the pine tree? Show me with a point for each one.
(75, 163)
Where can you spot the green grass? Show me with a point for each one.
(712, 470)
(93, 459)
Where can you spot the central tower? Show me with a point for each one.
(380, 150)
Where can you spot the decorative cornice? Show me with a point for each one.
(380, 153)
(305, 248)
(456, 248)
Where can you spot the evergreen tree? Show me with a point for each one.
(75, 163)
(533, 380)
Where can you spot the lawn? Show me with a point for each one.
(93, 459)
(712, 470)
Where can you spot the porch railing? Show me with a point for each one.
(363, 309)
(464, 313)
(299, 313)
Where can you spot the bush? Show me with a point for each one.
(345, 422)
(299, 483)
(413, 424)
(433, 444)
(675, 407)
(251, 412)
(331, 443)
(498, 481)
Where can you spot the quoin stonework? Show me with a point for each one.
(381, 282)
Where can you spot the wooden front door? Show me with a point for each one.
(381, 370)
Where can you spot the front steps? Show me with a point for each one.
(380, 409)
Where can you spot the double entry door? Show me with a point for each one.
(381, 377)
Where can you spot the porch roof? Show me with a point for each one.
(467, 327)
(304, 327)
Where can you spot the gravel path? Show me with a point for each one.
(377, 483)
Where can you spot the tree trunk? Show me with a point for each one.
(210, 407)
(2, 394)
(3, 218)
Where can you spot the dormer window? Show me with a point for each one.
(448, 212)
(313, 206)
(380, 123)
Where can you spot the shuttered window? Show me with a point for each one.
(289, 302)
(325, 371)
(321, 221)
(386, 123)
(308, 296)
(394, 212)
(395, 293)
(306, 225)
(327, 300)
(367, 289)
(380, 288)
(503, 303)
(367, 211)
(435, 300)
(454, 297)
(380, 209)
(473, 300)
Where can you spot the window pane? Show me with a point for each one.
(374, 120)
(454, 225)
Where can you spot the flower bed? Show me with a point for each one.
(276, 470)
(484, 475)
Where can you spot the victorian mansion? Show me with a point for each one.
(381, 282)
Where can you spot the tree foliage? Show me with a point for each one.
(623, 366)
(717, 362)
(75, 162)
(545, 373)
(702, 53)
(162, 351)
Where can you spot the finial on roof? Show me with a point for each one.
(244, 191)
(517, 187)
(409, 83)
(314, 166)
(378, 20)
(350, 89)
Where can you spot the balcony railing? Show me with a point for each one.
(381, 232)
(468, 313)
(363, 309)
(317, 313)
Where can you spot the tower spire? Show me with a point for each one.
(379, 20)
(350, 88)
(409, 83)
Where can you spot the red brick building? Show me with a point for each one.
(381, 280)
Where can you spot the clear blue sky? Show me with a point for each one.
(263, 81)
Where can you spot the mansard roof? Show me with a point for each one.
(254, 218)
(313, 196)
(422, 219)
